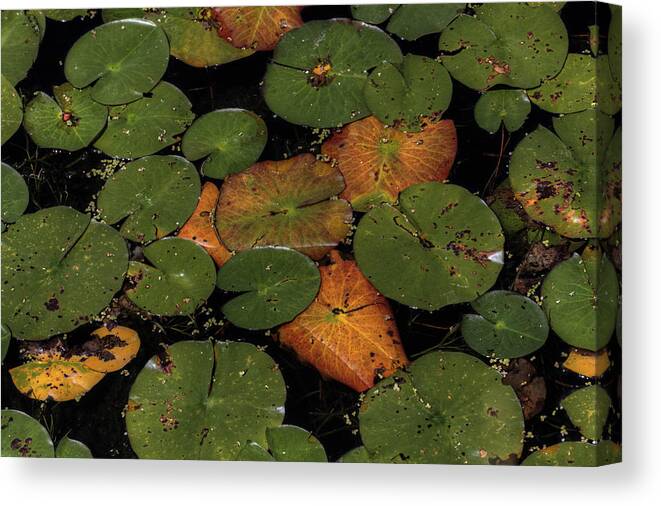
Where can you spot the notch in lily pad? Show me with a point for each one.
(508, 107)
(121, 60)
(287, 443)
(277, 285)
(229, 140)
(508, 325)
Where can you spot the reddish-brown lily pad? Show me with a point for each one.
(289, 203)
(258, 28)
(378, 162)
(348, 333)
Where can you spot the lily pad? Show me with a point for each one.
(403, 95)
(510, 212)
(587, 409)
(288, 203)
(201, 226)
(450, 408)
(230, 139)
(277, 284)
(373, 13)
(286, 443)
(122, 59)
(508, 325)
(576, 454)
(587, 363)
(23, 436)
(109, 349)
(258, 28)
(147, 125)
(358, 455)
(71, 121)
(379, 162)
(509, 107)
(413, 21)
(319, 71)
(21, 35)
(59, 269)
(11, 110)
(69, 448)
(580, 297)
(202, 401)
(5, 340)
(180, 278)
(441, 245)
(153, 196)
(615, 43)
(572, 181)
(348, 333)
(15, 195)
(64, 15)
(511, 44)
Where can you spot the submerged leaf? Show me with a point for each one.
(348, 333)
(257, 28)
(11, 110)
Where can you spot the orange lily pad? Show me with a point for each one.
(110, 350)
(378, 161)
(288, 203)
(201, 227)
(587, 363)
(348, 333)
(257, 28)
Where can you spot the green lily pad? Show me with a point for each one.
(15, 196)
(556, 6)
(69, 448)
(358, 455)
(64, 15)
(287, 203)
(587, 409)
(450, 408)
(510, 212)
(21, 34)
(11, 110)
(319, 70)
(5, 339)
(278, 284)
(441, 245)
(286, 443)
(154, 196)
(23, 436)
(583, 83)
(580, 297)
(615, 43)
(231, 139)
(508, 325)
(180, 278)
(413, 21)
(512, 44)
(576, 454)
(71, 121)
(122, 59)
(509, 107)
(571, 182)
(400, 95)
(371, 13)
(59, 269)
(252, 452)
(147, 125)
(203, 401)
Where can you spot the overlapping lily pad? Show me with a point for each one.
(580, 297)
(512, 44)
(147, 125)
(153, 196)
(199, 400)
(378, 162)
(257, 28)
(15, 194)
(508, 209)
(576, 454)
(572, 181)
(287, 443)
(373, 13)
(180, 277)
(288, 203)
(450, 408)
(59, 269)
(441, 245)
(403, 95)
(23, 436)
(230, 139)
(5, 340)
(319, 71)
(11, 110)
(277, 284)
(68, 448)
(348, 333)
(508, 325)
(615, 43)
(64, 15)
(509, 107)
(122, 59)
(588, 409)
(21, 35)
(71, 121)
